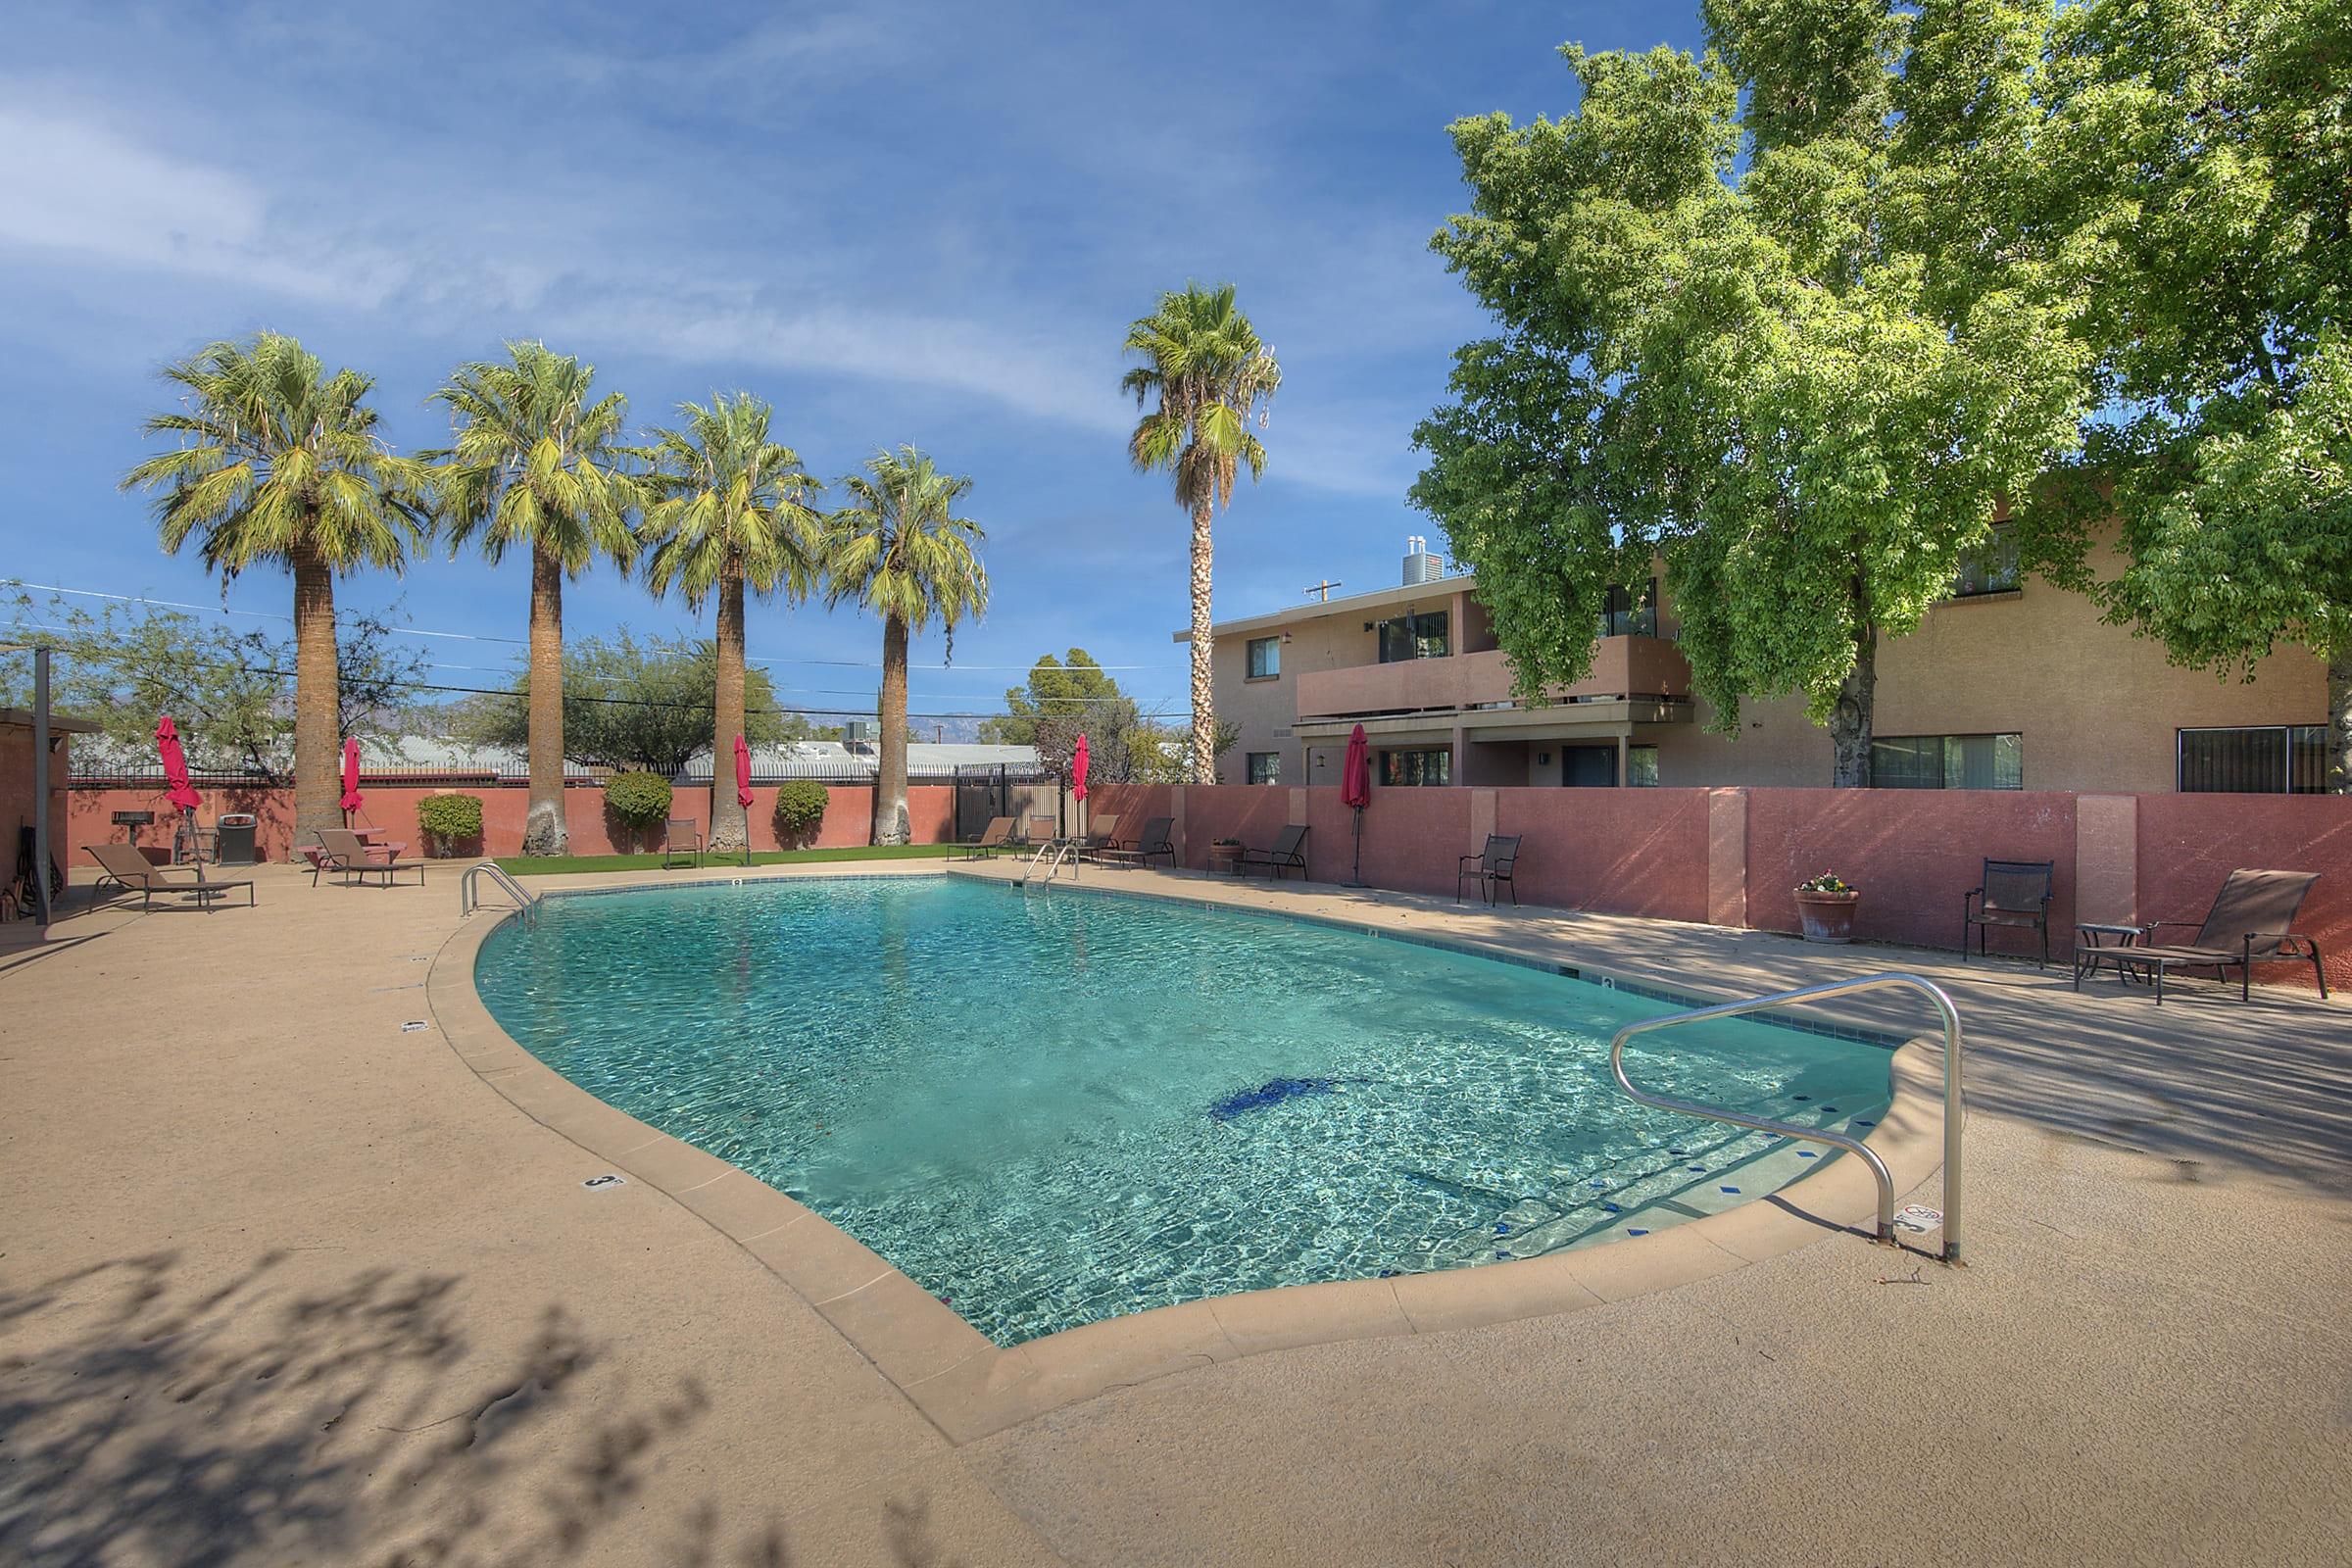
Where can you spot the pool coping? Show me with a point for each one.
(968, 1387)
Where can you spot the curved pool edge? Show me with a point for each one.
(968, 1387)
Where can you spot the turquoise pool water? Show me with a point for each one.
(1057, 1106)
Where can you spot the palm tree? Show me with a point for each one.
(726, 508)
(1212, 377)
(279, 463)
(899, 550)
(533, 461)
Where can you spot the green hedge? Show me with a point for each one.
(449, 821)
(638, 801)
(800, 811)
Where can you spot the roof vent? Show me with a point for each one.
(1420, 565)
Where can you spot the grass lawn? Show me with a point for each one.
(561, 864)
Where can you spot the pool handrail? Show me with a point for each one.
(527, 903)
(1953, 1108)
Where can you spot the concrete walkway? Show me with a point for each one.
(280, 1280)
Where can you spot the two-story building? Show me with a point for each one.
(2009, 684)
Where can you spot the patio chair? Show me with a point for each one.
(1141, 850)
(1286, 855)
(341, 851)
(124, 865)
(1038, 830)
(1493, 866)
(681, 836)
(2010, 893)
(1102, 832)
(2247, 925)
(997, 835)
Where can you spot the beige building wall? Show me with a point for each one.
(2100, 708)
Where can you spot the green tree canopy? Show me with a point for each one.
(1752, 374)
(630, 703)
(1071, 688)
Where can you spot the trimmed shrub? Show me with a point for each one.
(449, 821)
(637, 801)
(800, 810)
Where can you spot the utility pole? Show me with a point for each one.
(40, 786)
(1324, 588)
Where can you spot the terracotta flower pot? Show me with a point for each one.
(1828, 916)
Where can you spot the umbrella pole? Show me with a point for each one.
(1355, 875)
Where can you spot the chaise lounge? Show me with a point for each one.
(1144, 846)
(2247, 925)
(340, 850)
(1286, 855)
(124, 865)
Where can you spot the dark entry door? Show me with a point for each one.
(982, 792)
(1589, 767)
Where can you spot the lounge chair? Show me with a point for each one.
(2010, 893)
(1492, 867)
(1141, 850)
(124, 865)
(1035, 831)
(340, 850)
(1102, 833)
(1286, 855)
(681, 836)
(997, 835)
(2248, 924)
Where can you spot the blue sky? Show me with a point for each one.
(898, 223)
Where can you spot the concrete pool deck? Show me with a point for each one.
(285, 1280)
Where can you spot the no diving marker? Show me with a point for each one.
(608, 1179)
(1918, 1218)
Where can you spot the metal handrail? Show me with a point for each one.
(527, 903)
(1057, 847)
(1953, 1108)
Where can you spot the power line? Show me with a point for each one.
(353, 616)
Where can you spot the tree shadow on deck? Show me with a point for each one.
(149, 1419)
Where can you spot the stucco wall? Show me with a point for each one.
(16, 792)
(849, 817)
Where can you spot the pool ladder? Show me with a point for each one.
(1053, 855)
(1953, 1109)
(469, 901)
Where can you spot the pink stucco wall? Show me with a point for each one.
(1621, 852)
(2189, 844)
(849, 817)
(16, 792)
(1255, 813)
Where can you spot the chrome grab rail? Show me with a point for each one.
(1060, 848)
(1953, 1108)
(468, 903)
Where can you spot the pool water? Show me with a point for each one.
(1054, 1106)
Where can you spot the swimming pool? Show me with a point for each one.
(1057, 1106)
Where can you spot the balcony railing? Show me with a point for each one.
(1622, 667)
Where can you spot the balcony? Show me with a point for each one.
(1622, 667)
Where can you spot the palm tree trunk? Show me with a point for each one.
(890, 782)
(730, 829)
(317, 703)
(544, 831)
(1205, 714)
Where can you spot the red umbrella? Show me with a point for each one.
(743, 774)
(1078, 766)
(1355, 790)
(353, 800)
(176, 765)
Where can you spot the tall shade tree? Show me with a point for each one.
(726, 510)
(534, 462)
(899, 550)
(1204, 380)
(278, 463)
(2193, 166)
(1753, 374)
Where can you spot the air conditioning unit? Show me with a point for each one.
(858, 732)
(1420, 565)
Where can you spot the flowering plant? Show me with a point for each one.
(1827, 882)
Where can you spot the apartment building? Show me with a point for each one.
(2008, 684)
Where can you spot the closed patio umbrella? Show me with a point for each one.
(1356, 792)
(1079, 762)
(353, 800)
(743, 792)
(178, 790)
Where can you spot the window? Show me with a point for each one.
(1989, 568)
(1433, 766)
(1641, 767)
(1265, 768)
(1412, 636)
(1265, 658)
(1948, 762)
(2264, 760)
(1632, 615)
